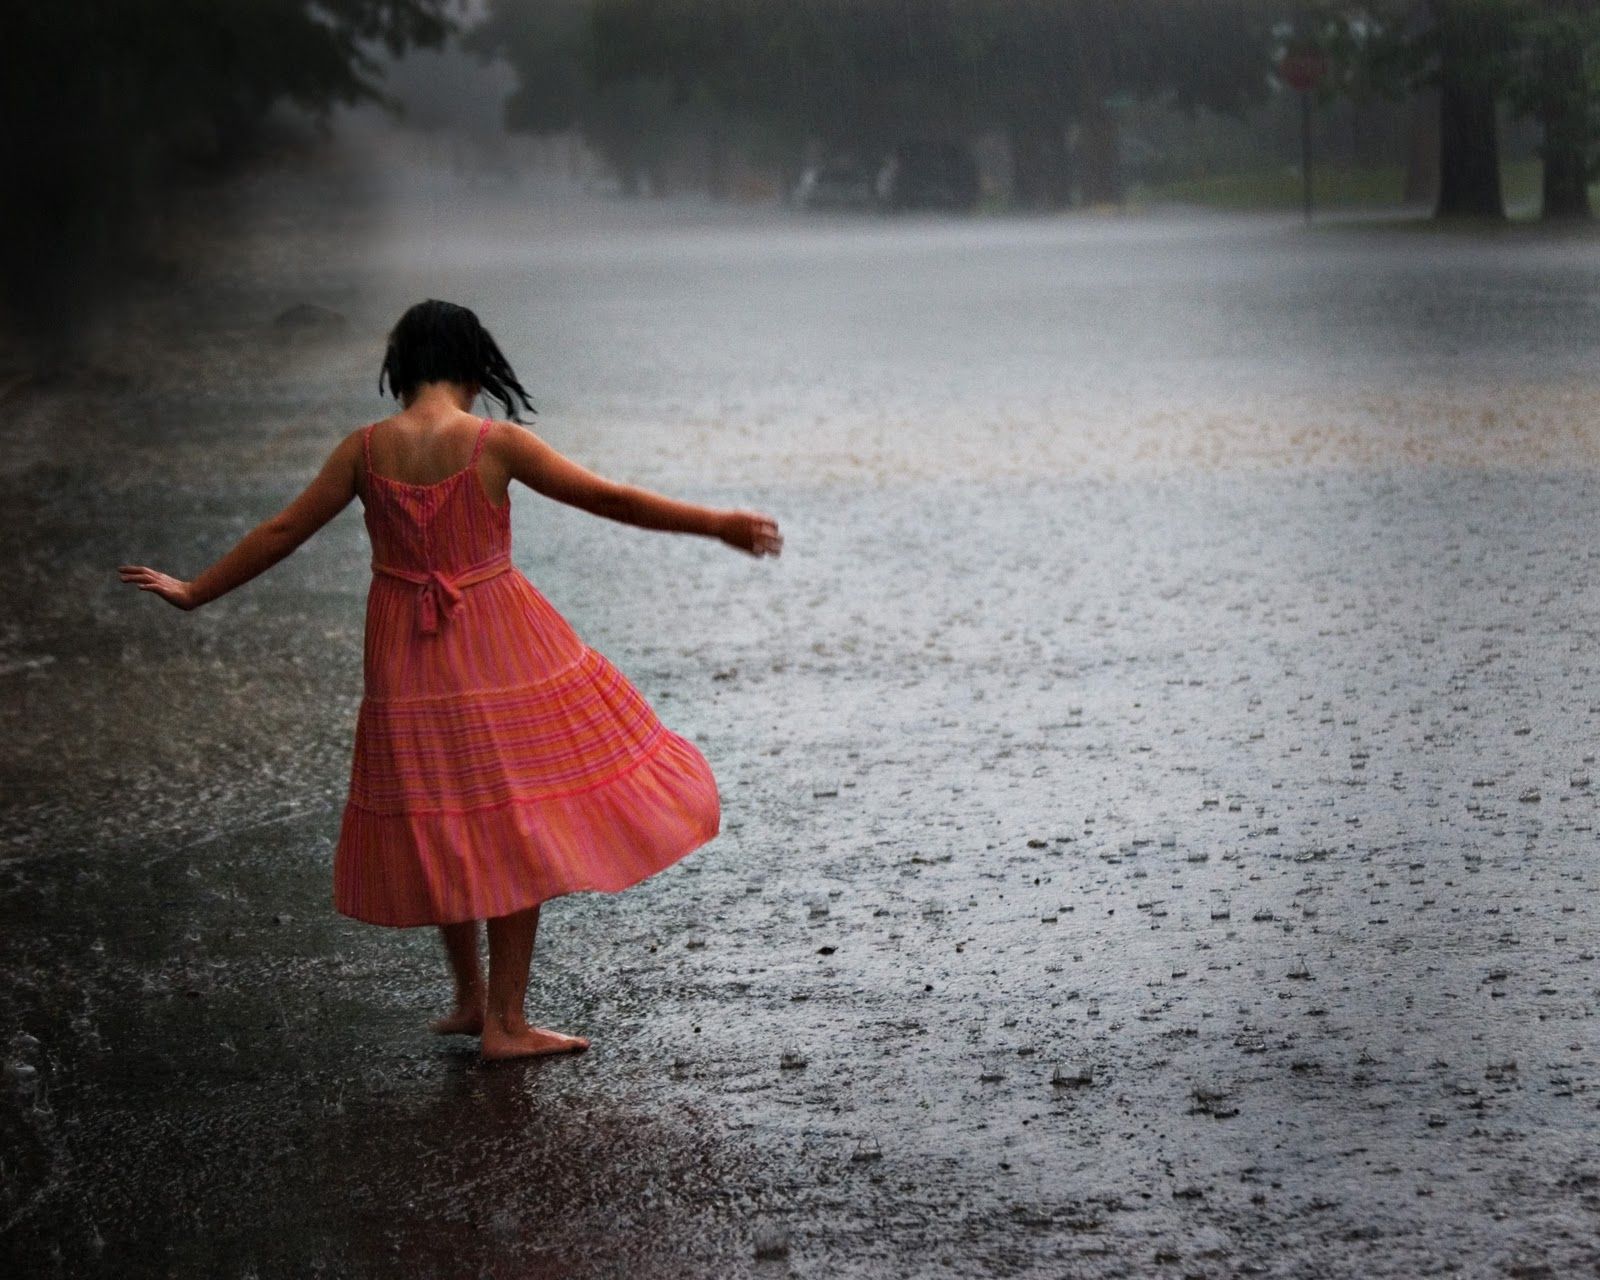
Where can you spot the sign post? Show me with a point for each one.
(1303, 69)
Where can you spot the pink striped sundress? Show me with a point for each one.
(499, 760)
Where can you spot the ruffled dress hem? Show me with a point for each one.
(405, 869)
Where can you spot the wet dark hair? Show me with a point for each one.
(440, 342)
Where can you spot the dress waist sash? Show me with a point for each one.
(440, 592)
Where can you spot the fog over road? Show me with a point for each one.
(1158, 828)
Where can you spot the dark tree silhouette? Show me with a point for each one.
(859, 75)
(1473, 39)
(1555, 83)
(1538, 56)
(107, 105)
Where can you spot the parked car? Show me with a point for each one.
(927, 174)
(842, 183)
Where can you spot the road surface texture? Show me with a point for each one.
(1159, 829)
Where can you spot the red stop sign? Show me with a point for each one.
(1302, 69)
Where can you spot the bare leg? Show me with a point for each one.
(506, 1033)
(461, 946)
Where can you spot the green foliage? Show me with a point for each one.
(1395, 47)
(838, 65)
(1542, 57)
(857, 74)
(105, 104)
(1556, 75)
(551, 45)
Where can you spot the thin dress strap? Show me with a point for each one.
(366, 445)
(477, 448)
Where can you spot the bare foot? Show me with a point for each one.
(467, 1020)
(527, 1042)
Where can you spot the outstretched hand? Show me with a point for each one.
(173, 590)
(752, 532)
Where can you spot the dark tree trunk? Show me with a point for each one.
(1422, 149)
(717, 160)
(1564, 118)
(1038, 166)
(1100, 156)
(1469, 151)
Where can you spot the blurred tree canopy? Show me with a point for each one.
(857, 75)
(854, 75)
(1541, 58)
(106, 104)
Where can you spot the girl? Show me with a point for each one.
(499, 761)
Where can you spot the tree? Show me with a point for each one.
(1472, 40)
(107, 105)
(1455, 51)
(1555, 83)
(1049, 72)
(563, 53)
(859, 75)
(1538, 56)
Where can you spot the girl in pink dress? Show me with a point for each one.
(499, 761)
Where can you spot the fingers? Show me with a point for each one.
(761, 536)
(139, 573)
(164, 585)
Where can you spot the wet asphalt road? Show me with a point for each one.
(1158, 824)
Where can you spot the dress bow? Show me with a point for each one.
(438, 594)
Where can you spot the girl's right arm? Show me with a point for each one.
(269, 542)
(544, 470)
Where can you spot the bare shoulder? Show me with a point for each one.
(349, 448)
(517, 446)
(353, 444)
(509, 433)
(543, 468)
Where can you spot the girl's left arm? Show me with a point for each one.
(266, 544)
